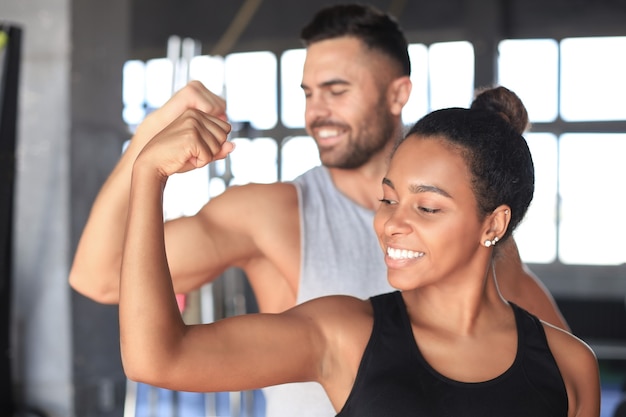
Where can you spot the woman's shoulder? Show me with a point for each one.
(336, 307)
(338, 315)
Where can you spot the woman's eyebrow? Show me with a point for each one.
(419, 188)
(387, 182)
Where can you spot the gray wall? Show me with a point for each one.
(69, 107)
(41, 336)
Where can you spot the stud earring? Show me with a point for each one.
(489, 243)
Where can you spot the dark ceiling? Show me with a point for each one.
(224, 26)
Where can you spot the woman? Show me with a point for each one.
(445, 344)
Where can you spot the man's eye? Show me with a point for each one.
(386, 201)
(337, 92)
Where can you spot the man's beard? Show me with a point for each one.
(360, 150)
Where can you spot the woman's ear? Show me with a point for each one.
(496, 225)
(398, 94)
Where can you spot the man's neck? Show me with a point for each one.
(363, 185)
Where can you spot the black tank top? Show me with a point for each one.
(394, 380)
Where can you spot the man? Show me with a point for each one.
(295, 241)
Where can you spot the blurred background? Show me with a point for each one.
(78, 76)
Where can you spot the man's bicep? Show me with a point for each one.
(200, 247)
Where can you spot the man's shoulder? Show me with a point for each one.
(260, 191)
(315, 174)
(252, 202)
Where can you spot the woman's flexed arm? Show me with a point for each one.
(157, 346)
(96, 265)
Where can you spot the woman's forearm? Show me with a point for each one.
(150, 322)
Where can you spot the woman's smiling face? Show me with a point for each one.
(427, 224)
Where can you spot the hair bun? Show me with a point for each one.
(504, 102)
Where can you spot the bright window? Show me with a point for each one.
(210, 71)
(531, 69)
(451, 74)
(417, 106)
(592, 174)
(575, 80)
(299, 154)
(536, 235)
(159, 82)
(251, 92)
(292, 96)
(577, 174)
(134, 92)
(254, 161)
(593, 80)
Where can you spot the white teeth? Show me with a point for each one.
(327, 133)
(403, 254)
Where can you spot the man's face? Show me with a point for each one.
(347, 111)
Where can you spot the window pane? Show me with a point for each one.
(292, 97)
(540, 219)
(417, 106)
(209, 70)
(159, 82)
(216, 187)
(251, 88)
(254, 161)
(185, 193)
(593, 81)
(529, 67)
(451, 69)
(592, 173)
(299, 154)
(134, 92)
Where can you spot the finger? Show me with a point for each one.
(206, 156)
(225, 150)
(192, 96)
(216, 130)
(209, 134)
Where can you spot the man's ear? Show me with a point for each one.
(398, 94)
(496, 224)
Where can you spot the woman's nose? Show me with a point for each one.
(396, 222)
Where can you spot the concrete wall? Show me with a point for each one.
(41, 337)
(69, 126)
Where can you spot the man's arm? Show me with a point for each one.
(96, 267)
(578, 366)
(519, 285)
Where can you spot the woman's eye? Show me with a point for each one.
(428, 210)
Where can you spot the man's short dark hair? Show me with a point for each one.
(377, 30)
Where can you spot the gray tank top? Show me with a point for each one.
(340, 250)
(340, 255)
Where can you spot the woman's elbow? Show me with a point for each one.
(141, 367)
(138, 373)
(85, 285)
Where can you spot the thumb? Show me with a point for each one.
(225, 150)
